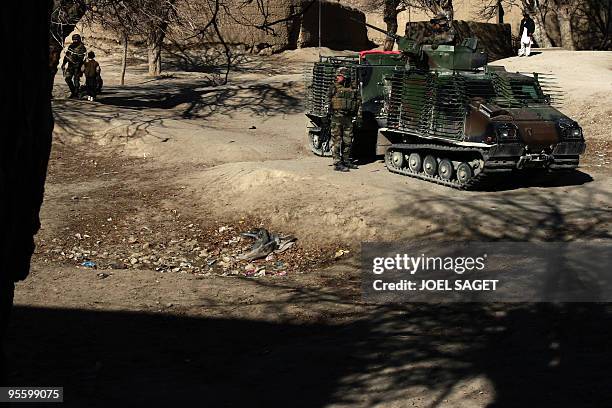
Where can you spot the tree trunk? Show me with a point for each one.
(390, 41)
(565, 27)
(124, 59)
(540, 34)
(155, 40)
(154, 58)
(24, 151)
(390, 18)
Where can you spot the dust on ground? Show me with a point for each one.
(154, 183)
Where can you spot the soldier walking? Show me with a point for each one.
(71, 65)
(345, 109)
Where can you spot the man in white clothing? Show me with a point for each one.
(526, 32)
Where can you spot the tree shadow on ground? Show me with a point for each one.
(195, 101)
(530, 214)
(533, 355)
(544, 355)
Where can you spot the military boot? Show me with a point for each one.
(350, 165)
(339, 166)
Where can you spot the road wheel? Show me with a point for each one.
(397, 158)
(430, 165)
(315, 140)
(464, 173)
(414, 162)
(445, 169)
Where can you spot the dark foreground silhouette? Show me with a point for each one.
(534, 355)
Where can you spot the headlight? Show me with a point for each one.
(506, 131)
(569, 129)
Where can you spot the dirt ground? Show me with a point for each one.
(154, 183)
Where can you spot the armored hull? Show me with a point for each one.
(459, 128)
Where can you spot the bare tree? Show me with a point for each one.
(564, 10)
(392, 8)
(118, 17)
(490, 8)
(154, 17)
(594, 23)
(146, 19)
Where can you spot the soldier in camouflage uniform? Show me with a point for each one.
(443, 31)
(345, 109)
(71, 66)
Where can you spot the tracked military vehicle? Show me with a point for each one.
(456, 121)
(441, 114)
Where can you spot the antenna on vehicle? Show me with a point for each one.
(409, 22)
(319, 29)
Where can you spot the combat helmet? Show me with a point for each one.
(440, 18)
(76, 37)
(344, 71)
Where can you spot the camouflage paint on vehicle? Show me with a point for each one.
(444, 116)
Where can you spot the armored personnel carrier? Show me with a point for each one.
(456, 121)
(441, 114)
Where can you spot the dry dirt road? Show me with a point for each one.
(154, 183)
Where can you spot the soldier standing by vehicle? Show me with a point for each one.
(71, 65)
(345, 109)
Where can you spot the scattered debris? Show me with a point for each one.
(266, 243)
(341, 252)
(117, 265)
(190, 247)
(102, 275)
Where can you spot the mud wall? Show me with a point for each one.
(339, 30)
(495, 39)
(271, 26)
(297, 27)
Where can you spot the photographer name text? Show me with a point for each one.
(436, 285)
